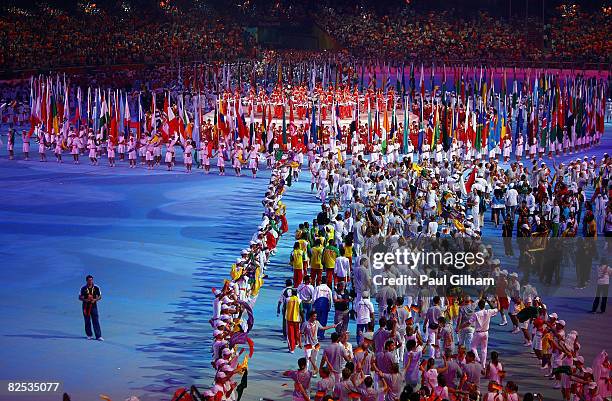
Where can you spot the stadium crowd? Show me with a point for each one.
(39, 40)
(442, 36)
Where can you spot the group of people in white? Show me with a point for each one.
(431, 341)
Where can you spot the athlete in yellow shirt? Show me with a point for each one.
(296, 260)
(316, 265)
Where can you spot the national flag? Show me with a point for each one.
(402, 90)
(449, 127)
(113, 125)
(470, 181)
(336, 122)
(119, 114)
(560, 116)
(393, 120)
(361, 81)
(53, 122)
(196, 123)
(544, 132)
(44, 107)
(66, 108)
(433, 81)
(488, 130)
(154, 116)
(140, 121)
(421, 137)
(376, 122)
(104, 113)
(95, 110)
(222, 124)
(519, 123)
(504, 125)
(386, 126)
(252, 135)
(269, 139)
(479, 124)
(263, 118)
(127, 115)
(242, 127)
(554, 121)
(313, 125)
(436, 129)
(405, 129)
(369, 140)
(284, 137)
(77, 112)
(172, 122)
(412, 83)
(422, 83)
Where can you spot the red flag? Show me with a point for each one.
(173, 122)
(113, 129)
(470, 181)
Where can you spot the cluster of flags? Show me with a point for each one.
(55, 107)
(542, 107)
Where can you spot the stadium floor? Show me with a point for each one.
(156, 243)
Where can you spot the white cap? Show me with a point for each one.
(561, 322)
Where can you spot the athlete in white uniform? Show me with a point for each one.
(188, 158)
(253, 160)
(520, 145)
(25, 145)
(132, 150)
(110, 153)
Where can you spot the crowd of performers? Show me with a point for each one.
(542, 116)
(429, 174)
(233, 304)
(429, 342)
